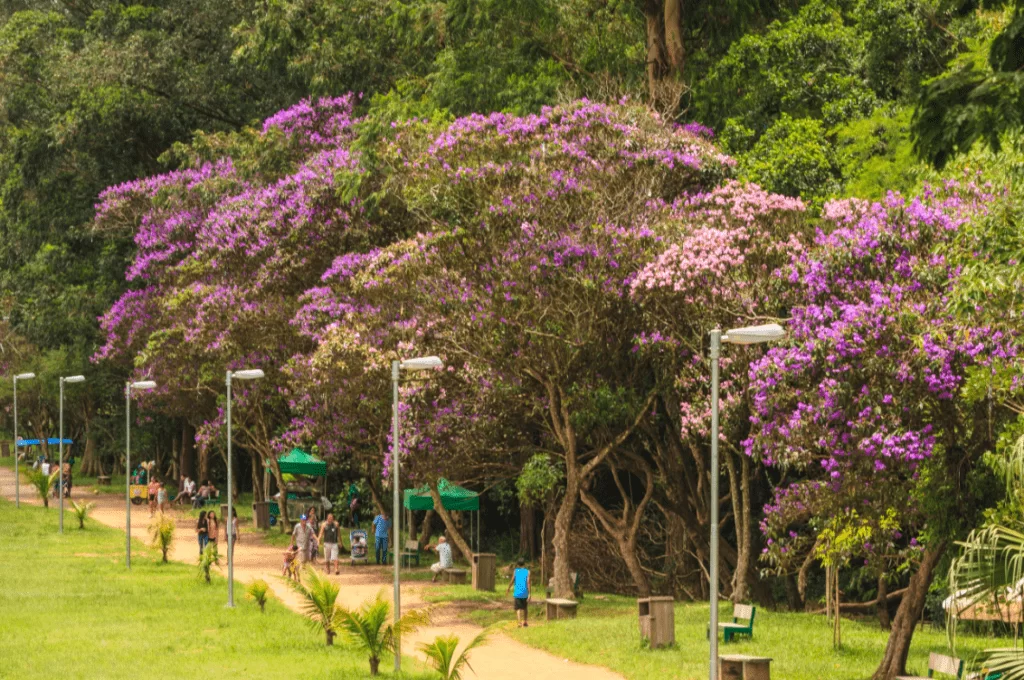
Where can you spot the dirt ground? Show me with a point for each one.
(502, 658)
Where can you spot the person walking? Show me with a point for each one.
(521, 594)
(329, 538)
(314, 541)
(202, 532)
(233, 528)
(381, 529)
(151, 491)
(161, 498)
(214, 526)
(301, 535)
(353, 509)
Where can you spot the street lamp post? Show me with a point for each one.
(17, 478)
(419, 364)
(60, 446)
(750, 335)
(251, 374)
(142, 385)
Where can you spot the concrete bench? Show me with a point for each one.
(560, 609)
(455, 576)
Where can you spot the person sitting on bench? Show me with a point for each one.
(444, 556)
(187, 491)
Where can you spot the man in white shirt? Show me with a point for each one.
(444, 556)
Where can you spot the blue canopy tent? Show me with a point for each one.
(52, 441)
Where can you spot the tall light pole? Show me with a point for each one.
(251, 374)
(60, 445)
(419, 364)
(750, 335)
(17, 478)
(142, 385)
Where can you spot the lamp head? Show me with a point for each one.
(143, 385)
(753, 335)
(421, 364)
(74, 379)
(249, 374)
(25, 376)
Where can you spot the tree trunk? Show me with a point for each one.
(802, 577)
(187, 462)
(674, 34)
(883, 602)
(655, 48)
(563, 525)
(204, 464)
(374, 665)
(453, 534)
(527, 531)
(258, 494)
(426, 528)
(894, 661)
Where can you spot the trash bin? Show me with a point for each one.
(261, 515)
(657, 621)
(484, 565)
(5, 449)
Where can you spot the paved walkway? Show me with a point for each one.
(501, 659)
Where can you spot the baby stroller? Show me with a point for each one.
(357, 539)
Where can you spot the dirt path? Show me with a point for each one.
(501, 659)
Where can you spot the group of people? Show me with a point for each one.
(208, 529)
(44, 465)
(307, 537)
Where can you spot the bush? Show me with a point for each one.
(794, 158)
(161, 534)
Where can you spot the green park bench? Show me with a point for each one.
(740, 612)
(939, 663)
(410, 553)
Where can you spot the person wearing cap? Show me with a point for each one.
(302, 536)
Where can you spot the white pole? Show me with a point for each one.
(60, 466)
(396, 509)
(127, 475)
(231, 542)
(716, 350)
(17, 477)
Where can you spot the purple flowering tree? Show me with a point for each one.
(863, 405)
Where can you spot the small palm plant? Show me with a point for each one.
(42, 484)
(369, 627)
(82, 512)
(161, 533)
(208, 559)
(441, 654)
(257, 592)
(319, 602)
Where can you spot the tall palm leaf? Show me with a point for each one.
(441, 654)
(42, 484)
(161, 533)
(369, 627)
(82, 512)
(319, 602)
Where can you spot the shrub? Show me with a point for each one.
(161, 533)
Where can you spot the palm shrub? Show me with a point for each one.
(208, 559)
(319, 602)
(161, 533)
(441, 654)
(257, 592)
(370, 629)
(42, 484)
(82, 511)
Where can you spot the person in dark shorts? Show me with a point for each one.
(520, 587)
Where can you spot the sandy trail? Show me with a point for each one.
(502, 658)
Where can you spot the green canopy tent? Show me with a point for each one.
(453, 497)
(298, 462)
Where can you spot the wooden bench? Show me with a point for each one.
(455, 576)
(744, 667)
(411, 553)
(103, 480)
(939, 663)
(739, 611)
(560, 609)
(574, 578)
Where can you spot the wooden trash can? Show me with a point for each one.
(261, 515)
(484, 566)
(657, 621)
(5, 449)
(744, 667)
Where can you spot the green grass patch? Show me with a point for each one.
(71, 609)
(606, 633)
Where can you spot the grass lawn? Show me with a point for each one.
(70, 609)
(606, 633)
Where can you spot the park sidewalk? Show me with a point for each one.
(502, 658)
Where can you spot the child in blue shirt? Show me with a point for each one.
(521, 593)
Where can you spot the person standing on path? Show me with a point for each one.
(329, 538)
(381, 528)
(233, 528)
(302, 536)
(213, 525)
(521, 594)
(161, 498)
(314, 541)
(152, 490)
(202, 532)
(353, 508)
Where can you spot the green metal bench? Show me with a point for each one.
(939, 663)
(739, 612)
